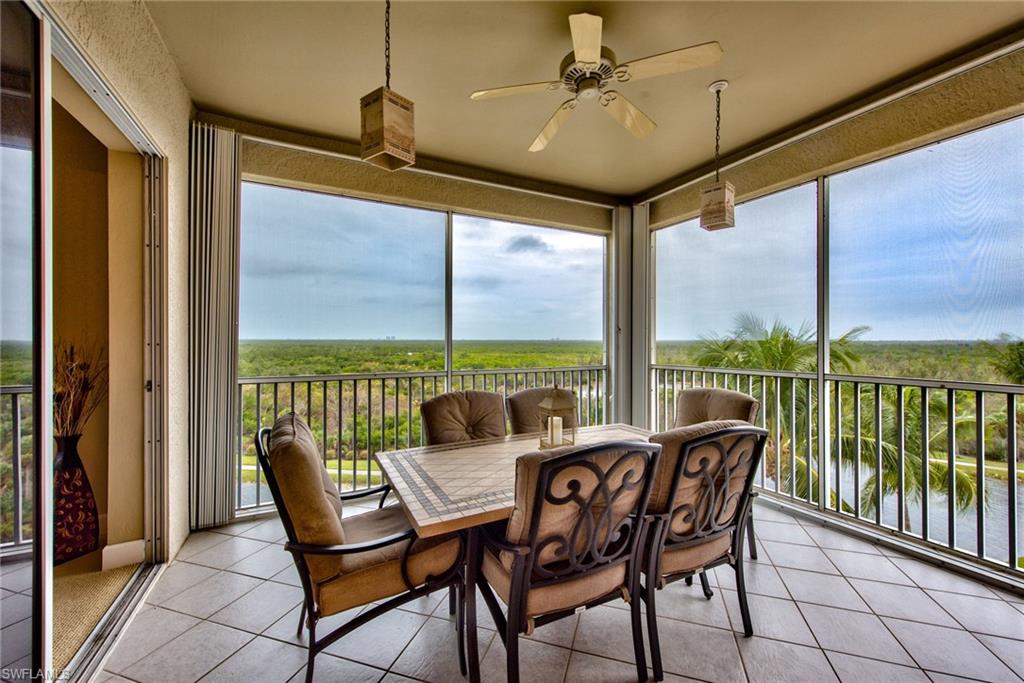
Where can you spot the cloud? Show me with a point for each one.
(527, 244)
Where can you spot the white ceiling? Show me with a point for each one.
(304, 65)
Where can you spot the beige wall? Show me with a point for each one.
(125, 482)
(983, 95)
(80, 308)
(121, 41)
(277, 164)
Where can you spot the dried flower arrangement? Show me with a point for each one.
(79, 385)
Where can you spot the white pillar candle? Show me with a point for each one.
(555, 431)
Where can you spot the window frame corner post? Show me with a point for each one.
(823, 344)
(618, 311)
(641, 314)
(449, 245)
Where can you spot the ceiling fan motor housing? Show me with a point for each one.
(587, 79)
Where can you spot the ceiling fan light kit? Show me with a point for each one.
(591, 67)
(718, 200)
(387, 132)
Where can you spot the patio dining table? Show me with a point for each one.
(462, 486)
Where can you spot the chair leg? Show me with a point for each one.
(512, 652)
(452, 600)
(741, 594)
(652, 633)
(302, 621)
(706, 586)
(311, 656)
(750, 536)
(460, 624)
(688, 580)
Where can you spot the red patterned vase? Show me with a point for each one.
(76, 519)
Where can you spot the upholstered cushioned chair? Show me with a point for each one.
(697, 514)
(347, 562)
(463, 416)
(523, 412)
(704, 405)
(573, 540)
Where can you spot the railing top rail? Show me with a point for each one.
(929, 383)
(16, 389)
(863, 379)
(413, 374)
(736, 371)
(509, 371)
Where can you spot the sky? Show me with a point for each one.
(927, 245)
(15, 244)
(318, 266)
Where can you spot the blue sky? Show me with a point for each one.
(926, 245)
(15, 244)
(318, 266)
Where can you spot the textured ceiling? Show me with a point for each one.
(305, 65)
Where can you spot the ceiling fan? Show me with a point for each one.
(587, 71)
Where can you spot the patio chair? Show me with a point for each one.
(523, 414)
(700, 501)
(703, 405)
(460, 416)
(348, 562)
(572, 542)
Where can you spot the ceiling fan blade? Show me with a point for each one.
(626, 113)
(554, 123)
(586, 37)
(684, 59)
(507, 90)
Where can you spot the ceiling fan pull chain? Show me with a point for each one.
(387, 44)
(718, 127)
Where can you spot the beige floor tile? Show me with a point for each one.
(821, 589)
(264, 563)
(867, 566)
(853, 669)
(331, 669)
(1009, 650)
(286, 627)
(432, 655)
(259, 608)
(584, 668)
(799, 557)
(699, 651)
(994, 617)
(289, 575)
(687, 603)
(223, 555)
(854, 633)
(771, 617)
(606, 632)
(261, 660)
(830, 538)
(538, 662)
(189, 656)
(198, 542)
(760, 577)
(209, 596)
(902, 602)
(948, 650)
(381, 641)
(178, 576)
(768, 661)
(149, 630)
(928, 576)
(766, 530)
(270, 530)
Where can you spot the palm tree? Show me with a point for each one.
(1008, 358)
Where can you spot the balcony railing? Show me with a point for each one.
(928, 460)
(353, 416)
(16, 438)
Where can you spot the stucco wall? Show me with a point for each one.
(275, 164)
(983, 95)
(122, 42)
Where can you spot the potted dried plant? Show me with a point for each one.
(79, 388)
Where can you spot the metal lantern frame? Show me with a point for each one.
(558, 403)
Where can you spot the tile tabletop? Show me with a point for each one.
(456, 486)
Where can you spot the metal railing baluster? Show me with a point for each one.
(951, 467)
(979, 498)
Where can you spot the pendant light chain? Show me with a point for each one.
(387, 44)
(718, 127)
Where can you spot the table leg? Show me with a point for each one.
(469, 598)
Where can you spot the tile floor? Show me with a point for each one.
(825, 606)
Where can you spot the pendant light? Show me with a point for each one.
(718, 200)
(388, 138)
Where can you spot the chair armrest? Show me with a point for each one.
(355, 495)
(501, 544)
(350, 548)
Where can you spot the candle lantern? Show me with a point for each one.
(557, 413)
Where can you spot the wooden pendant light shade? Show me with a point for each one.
(387, 135)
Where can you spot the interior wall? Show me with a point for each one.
(278, 164)
(123, 44)
(80, 284)
(980, 96)
(125, 230)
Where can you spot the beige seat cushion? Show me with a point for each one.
(523, 411)
(704, 405)
(694, 557)
(463, 416)
(308, 492)
(560, 596)
(377, 574)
